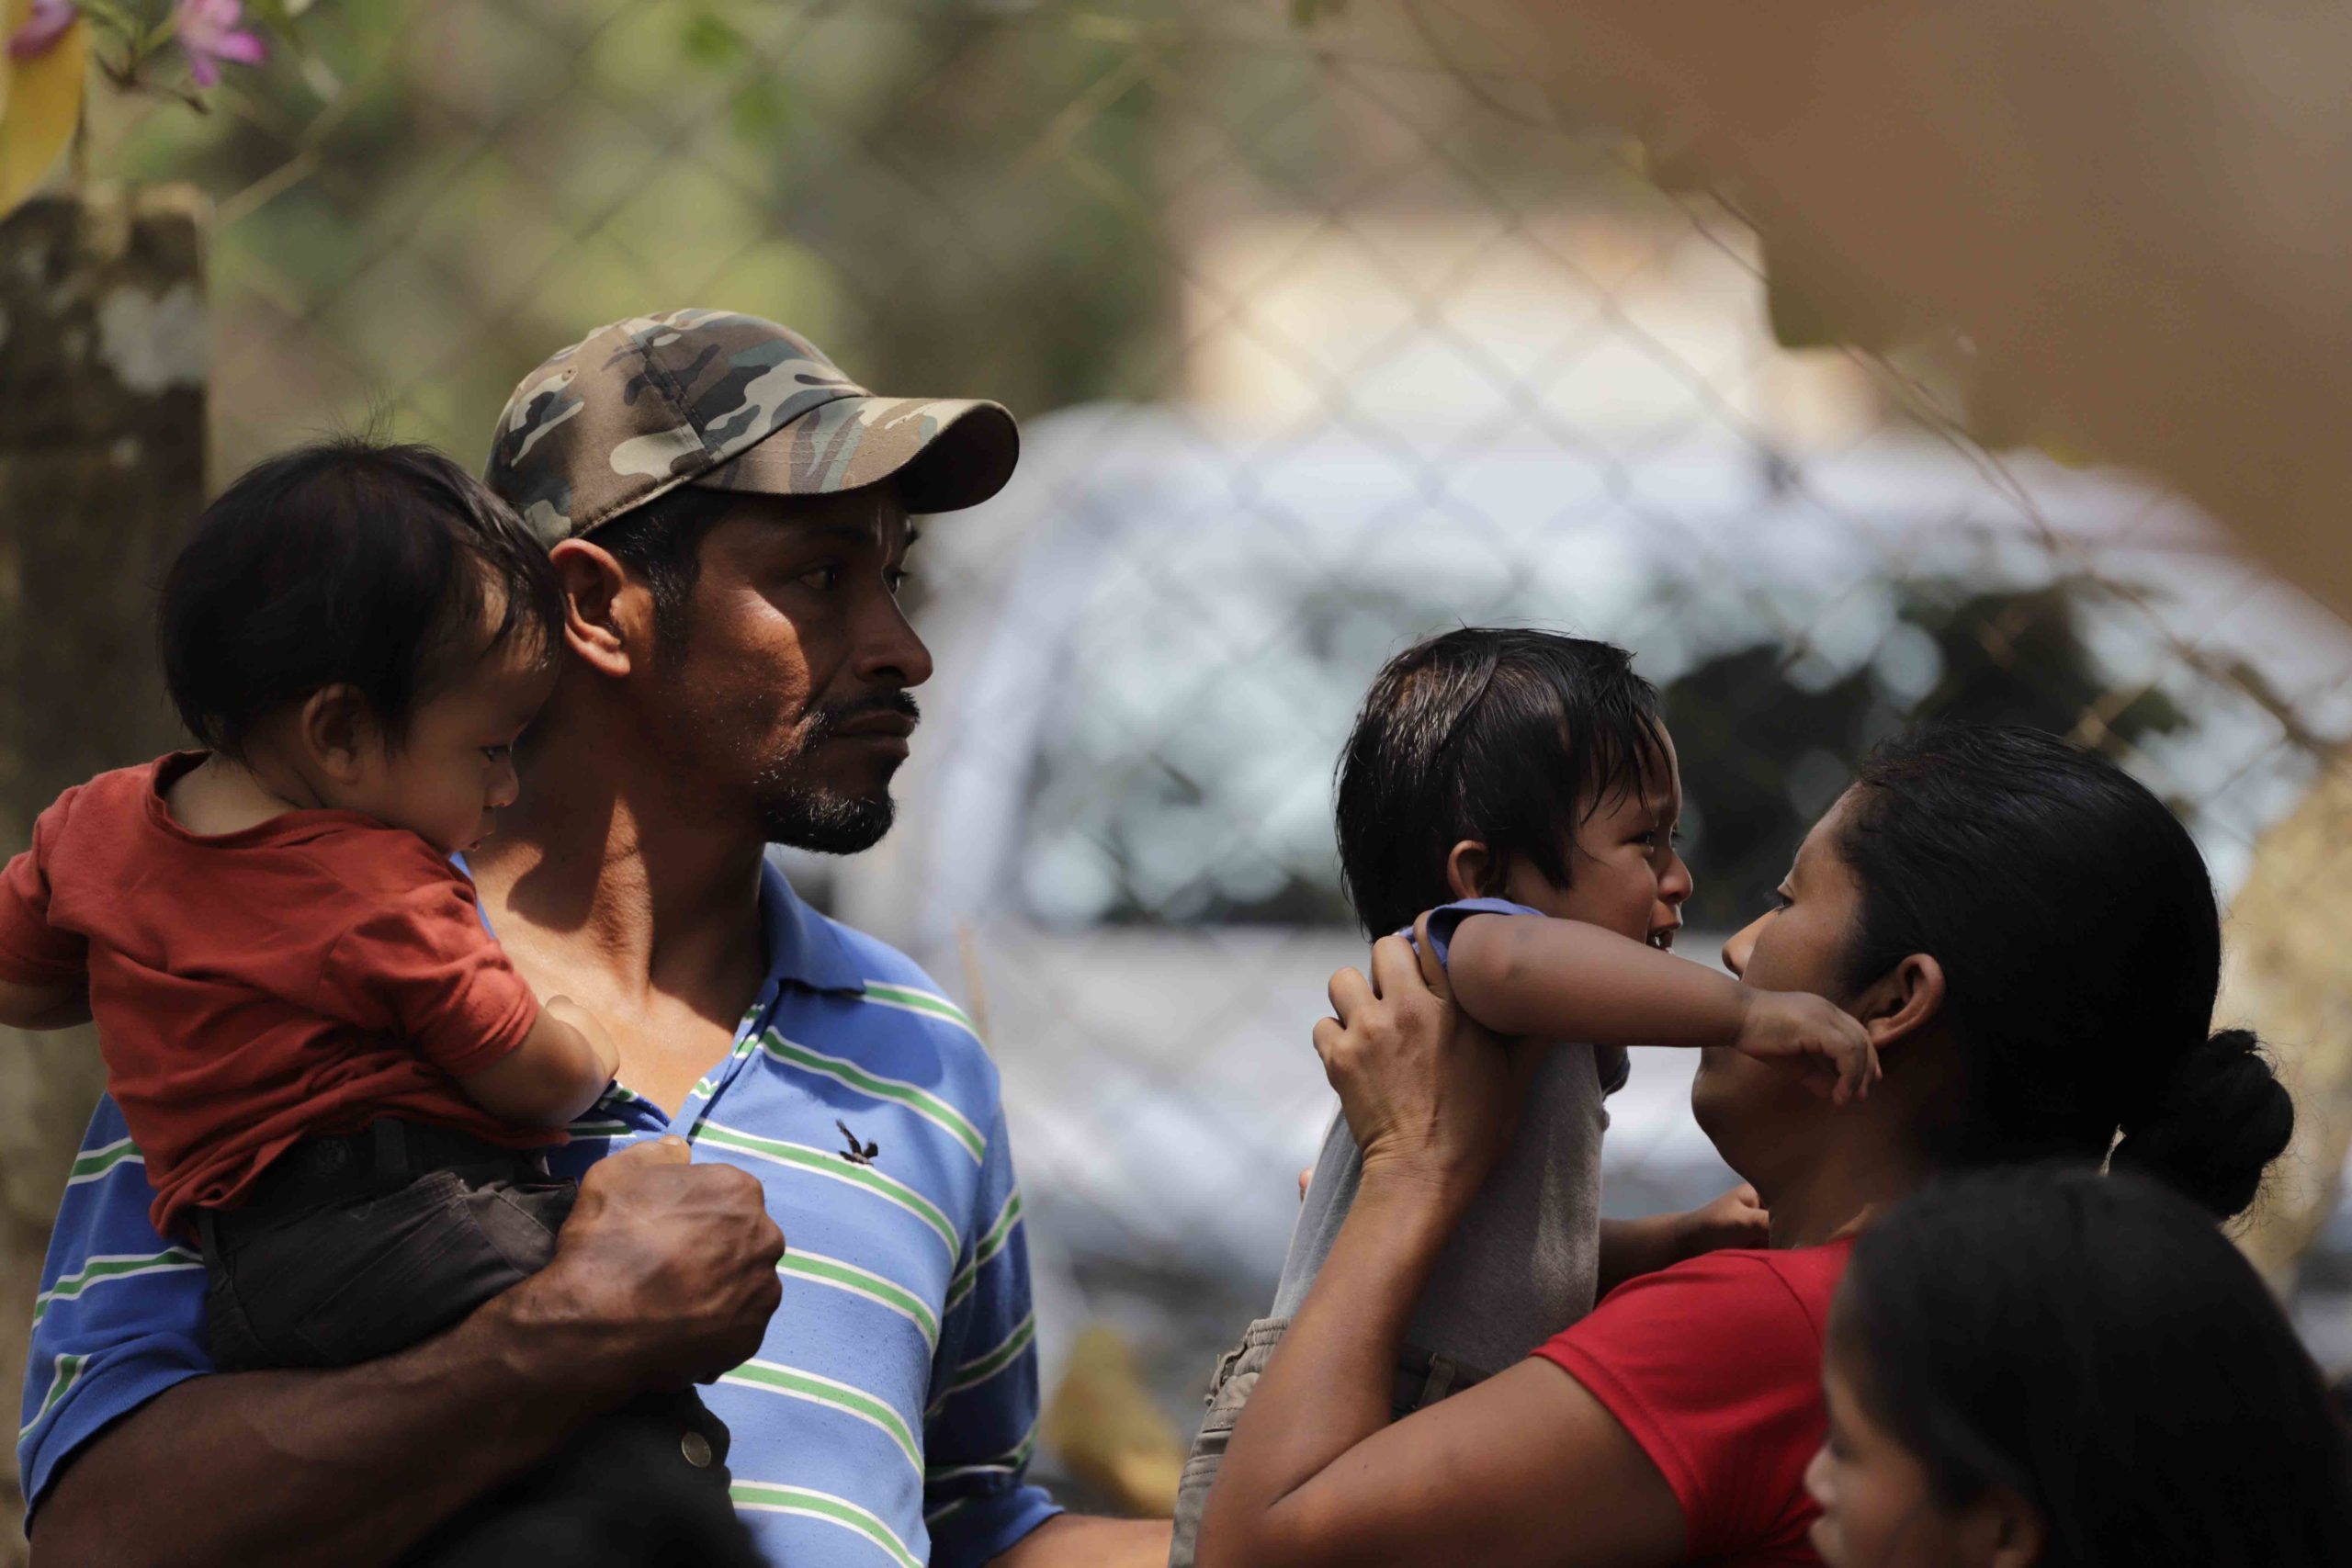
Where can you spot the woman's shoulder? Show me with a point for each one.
(1784, 1290)
(1806, 1276)
(1713, 1368)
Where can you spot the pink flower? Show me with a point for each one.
(208, 34)
(43, 25)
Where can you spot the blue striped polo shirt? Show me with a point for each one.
(890, 1412)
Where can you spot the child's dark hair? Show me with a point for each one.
(385, 567)
(1508, 737)
(2096, 1347)
(2081, 948)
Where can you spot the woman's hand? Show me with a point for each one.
(1429, 1094)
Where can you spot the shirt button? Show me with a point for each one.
(697, 1448)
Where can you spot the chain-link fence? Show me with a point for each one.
(1324, 339)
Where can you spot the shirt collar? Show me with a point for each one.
(803, 946)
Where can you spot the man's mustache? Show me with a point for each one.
(832, 715)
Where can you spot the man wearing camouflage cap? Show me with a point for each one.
(728, 513)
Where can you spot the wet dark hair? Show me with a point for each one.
(347, 562)
(661, 542)
(2080, 949)
(2096, 1346)
(1508, 737)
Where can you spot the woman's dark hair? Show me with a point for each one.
(2081, 949)
(388, 569)
(1508, 737)
(2096, 1346)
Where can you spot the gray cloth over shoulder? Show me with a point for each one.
(1521, 1264)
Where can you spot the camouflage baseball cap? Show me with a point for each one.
(726, 401)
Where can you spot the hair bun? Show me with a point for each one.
(2220, 1121)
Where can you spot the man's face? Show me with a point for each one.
(789, 689)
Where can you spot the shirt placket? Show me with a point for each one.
(745, 1045)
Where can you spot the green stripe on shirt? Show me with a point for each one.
(92, 1164)
(765, 1496)
(794, 1383)
(825, 1163)
(919, 1101)
(822, 1270)
(98, 1270)
(926, 1002)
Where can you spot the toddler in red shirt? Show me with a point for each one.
(334, 1076)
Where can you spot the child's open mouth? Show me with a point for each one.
(1663, 938)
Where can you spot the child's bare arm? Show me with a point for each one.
(1632, 1247)
(58, 1005)
(557, 1073)
(1568, 980)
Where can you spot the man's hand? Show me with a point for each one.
(663, 1276)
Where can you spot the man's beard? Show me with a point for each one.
(810, 817)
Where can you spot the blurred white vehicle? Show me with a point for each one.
(1114, 841)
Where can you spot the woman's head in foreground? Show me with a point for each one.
(2032, 939)
(2049, 1368)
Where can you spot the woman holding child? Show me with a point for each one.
(2031, 942)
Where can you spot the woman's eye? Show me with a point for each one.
(1781, 900)
(497, 753)
(824, 579)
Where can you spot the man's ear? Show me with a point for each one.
(336, 729)
(607, 619)
(1901, 1001)
(1468, 868)
(2003, 1531)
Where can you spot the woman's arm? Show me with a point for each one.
(1527, 1467)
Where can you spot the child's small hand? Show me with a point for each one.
(1737, 1219)
(1800, 1030)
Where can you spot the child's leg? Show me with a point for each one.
(353, 1247)
(645, 1485)
(1230, 1388)
(1422, 1379)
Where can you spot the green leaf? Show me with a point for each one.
(42, 107)
(710, 40)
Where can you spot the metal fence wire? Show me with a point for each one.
(1326, 336)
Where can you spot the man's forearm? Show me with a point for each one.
(1074, 1541)
(348, 1467)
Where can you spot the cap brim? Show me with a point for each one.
(945, 454)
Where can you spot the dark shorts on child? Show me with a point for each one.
(356, 1247)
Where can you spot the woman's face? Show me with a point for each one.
(1799, 944)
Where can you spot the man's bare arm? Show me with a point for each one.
(1076, 1540)
(664, 1274)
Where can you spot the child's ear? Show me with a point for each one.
(1901, 1001)
(337, 729)
(1470, 870)
(2004, 1531)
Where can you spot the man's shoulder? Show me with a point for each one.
(896, 980)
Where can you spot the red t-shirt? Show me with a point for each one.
(1715, 1367)
(307, 975)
